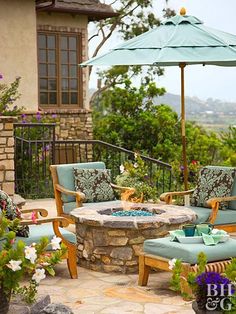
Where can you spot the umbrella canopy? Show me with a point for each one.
(179, 41)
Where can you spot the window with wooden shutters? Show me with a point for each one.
(60, 82)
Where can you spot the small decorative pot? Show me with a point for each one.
(4, 302)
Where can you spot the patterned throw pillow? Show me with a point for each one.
(213, 182)
(12, 212)
(95, 184)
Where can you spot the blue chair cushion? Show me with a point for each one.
(188, 252)
(202, 213)
(65, 175)
(223, 217)
(39, 231)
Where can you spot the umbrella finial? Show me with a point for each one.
(182, 11)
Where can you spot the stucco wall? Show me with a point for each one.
(18, 48)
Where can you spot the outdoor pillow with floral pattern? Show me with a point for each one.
(213, 182)
(95, 184)
(12, 212)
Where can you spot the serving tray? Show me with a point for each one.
(199, 239)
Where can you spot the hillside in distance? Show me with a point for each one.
(212, 113)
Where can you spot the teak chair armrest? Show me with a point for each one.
(79, 196)
(211, 202)
(167, 197)
(42, 211)
(122, 188)
(214, 203)
(59, 220)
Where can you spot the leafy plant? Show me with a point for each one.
(176, 266)
(18, 260)
(8, 95)
(135, 174)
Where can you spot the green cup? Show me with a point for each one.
(189, 230)
(204, 228)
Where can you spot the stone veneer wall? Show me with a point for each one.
(115, 250)
(7, 175)
(77, 126)
(71, 124)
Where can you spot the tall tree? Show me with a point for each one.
(134, 18)
(126, 116)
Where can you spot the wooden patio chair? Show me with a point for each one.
(66, 197)
(216, 194)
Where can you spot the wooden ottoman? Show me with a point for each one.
(158, 252)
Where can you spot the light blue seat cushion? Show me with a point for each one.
(189, 252)
(202, 213)
(66, 175)
(39, 231)
(68, 207)
(223, 217)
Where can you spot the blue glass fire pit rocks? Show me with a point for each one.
(133, 213)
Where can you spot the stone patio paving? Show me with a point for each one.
(95, 292)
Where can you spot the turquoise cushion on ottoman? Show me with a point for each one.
(189, 252)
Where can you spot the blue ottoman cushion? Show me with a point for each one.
(189, 252)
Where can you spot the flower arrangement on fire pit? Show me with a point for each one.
(135, 174)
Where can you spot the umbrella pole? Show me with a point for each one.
(183, 133)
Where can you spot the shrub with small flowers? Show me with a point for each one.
(8, 95)
(19, 261)
(135, 174)
(178, 174)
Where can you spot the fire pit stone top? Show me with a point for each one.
(100, 214)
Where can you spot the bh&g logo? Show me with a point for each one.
(218, 296)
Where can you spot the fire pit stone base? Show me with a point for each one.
(112, 244)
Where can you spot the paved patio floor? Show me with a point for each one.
(95, 292)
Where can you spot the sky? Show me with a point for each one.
(202, 82)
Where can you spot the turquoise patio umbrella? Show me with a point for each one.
(179, 41)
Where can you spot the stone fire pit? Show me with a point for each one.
(112, 244)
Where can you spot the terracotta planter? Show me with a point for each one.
(4, 302)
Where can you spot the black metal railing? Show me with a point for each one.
(34, 152)
(36, 148)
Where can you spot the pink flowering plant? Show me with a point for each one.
(25, 263)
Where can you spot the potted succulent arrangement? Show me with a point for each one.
(19, 261)
(212, 293)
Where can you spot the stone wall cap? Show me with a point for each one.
(167, 214)
(8, 118)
